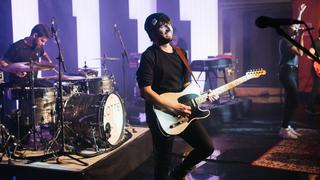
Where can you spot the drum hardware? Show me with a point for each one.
(127, 135)
(87, 87)
(55, 138)
(88, 72)
(18, 115)
(30, 67)
(31, 134)
(9, 144)
(108, 81)
(33, 103)
(95, 145)
(1, 77)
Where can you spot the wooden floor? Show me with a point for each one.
(108, 162)
(239, 140)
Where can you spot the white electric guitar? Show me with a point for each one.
(172, 123)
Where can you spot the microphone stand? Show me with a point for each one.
(60, 58)
(125, 61)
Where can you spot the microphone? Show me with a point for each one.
(264, 21)
(53, 30)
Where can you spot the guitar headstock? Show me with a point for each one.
(256, 73)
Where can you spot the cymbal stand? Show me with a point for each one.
(107, 73)
(7, 138)
(62, 151)
(33, 104)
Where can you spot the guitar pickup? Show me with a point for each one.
(180, 120)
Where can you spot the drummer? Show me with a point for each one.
(29, 49)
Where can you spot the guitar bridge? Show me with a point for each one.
(180, 120)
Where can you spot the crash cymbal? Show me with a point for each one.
(63, 78)
(25, 67)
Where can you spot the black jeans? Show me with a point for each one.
(289, 79)
(195, 135)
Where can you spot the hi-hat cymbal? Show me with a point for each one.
(26, 67)
(105, 58)
(87, 71)
(87, 68)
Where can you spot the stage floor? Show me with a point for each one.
(110, 165)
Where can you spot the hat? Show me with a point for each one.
(154, 20)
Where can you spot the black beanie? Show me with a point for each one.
(155, 20)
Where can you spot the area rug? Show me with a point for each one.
(302, 155)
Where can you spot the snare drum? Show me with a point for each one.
(97, 119)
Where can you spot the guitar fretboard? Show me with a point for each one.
(203, 98)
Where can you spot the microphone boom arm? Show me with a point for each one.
(282, 33)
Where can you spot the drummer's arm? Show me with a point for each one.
(45, 57)
(3, 64)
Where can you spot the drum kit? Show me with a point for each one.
(93, 111)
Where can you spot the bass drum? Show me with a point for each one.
(97, 120)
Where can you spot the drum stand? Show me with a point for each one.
(33, 105)
(6, 140)
(62, 151)
(56, 137)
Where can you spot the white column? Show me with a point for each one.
(88, 32)
(203, 17)
(140, 10)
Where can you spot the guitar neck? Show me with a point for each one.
(203, 98)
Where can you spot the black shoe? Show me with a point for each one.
(312, 111)
(178, 174)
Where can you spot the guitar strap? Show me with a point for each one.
(185, 62)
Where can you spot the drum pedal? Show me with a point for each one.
(9, 143)
(95, 145)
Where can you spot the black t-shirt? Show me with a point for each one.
(287, 57)
(20, 51)
(165, 72)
